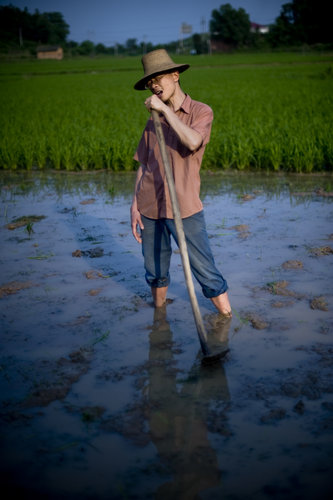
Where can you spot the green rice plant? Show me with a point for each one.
(9, 157)
(41, 152)
(102, 337)
(274, 153)
(271, 111)
(27, 153)
(29, 228)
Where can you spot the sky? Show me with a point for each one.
(115, 21)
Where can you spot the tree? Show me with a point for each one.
(57, 28)
(302, 21)
(230, 26)
(198, 43)
(101, 49)
(132, 46)
(19, 27)
(282, 32)
(86, 48)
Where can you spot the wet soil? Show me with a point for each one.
(104, 397)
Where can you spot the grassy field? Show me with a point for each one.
(272, 111)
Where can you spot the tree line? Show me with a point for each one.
(300, 22)
(19, 29)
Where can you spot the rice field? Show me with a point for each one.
(271, 112)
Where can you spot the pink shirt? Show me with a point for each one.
(152, 192)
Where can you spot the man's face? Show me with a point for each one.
(164, 85)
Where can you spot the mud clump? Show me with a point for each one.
(281, 288)
(77, 253)
(321, 251)
(93, 253)
(94, 291)
(319, 303)
(56, 378)
(247, 197)
(292, 264)
(256, 321)
(131, 423)
(243, 230)
(24, 221)
(89, 201)
(14, 287)
(310, 385)
(93, 275)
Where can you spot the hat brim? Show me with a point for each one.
(141, 84)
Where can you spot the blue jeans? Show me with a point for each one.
(156, 249)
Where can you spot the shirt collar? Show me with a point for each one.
(186, 104)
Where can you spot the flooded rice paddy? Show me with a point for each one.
(103, 397)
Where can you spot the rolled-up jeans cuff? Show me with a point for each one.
(209, 293)
(157, 282)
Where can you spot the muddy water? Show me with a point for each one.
(102, 397)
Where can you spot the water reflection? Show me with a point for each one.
(180, 419)
(301, 188)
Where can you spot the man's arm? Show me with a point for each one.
(135, 214)
(187, 135)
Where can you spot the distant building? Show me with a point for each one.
(50, 52)
(259, 28)
(220, 46)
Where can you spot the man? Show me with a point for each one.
(186, 126)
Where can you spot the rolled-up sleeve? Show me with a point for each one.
(202, 122)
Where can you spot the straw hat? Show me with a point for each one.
(155, 63)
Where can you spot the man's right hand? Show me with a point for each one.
(136, 222)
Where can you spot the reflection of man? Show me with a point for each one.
(178, 418)
(186, 126)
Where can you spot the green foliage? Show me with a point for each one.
(29, 228)
(85, 48)
(267, 117)
(19, 27)
(230, 26)
(271, 111)
(302, 22)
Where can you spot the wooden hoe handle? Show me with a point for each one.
(180, 234)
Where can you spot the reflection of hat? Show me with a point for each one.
(155, 63)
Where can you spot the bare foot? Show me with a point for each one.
(222, 304)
